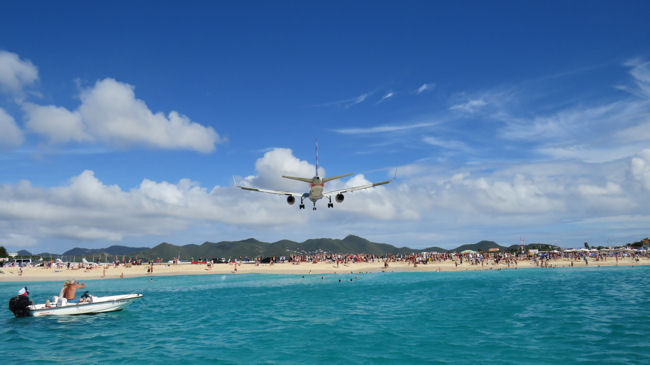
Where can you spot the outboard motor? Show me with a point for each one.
(20, 306)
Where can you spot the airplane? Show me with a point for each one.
(316, 187)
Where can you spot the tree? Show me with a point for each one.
(3, 252)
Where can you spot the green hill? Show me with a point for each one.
(534, 246)
(479, 246)
(252, 248)
(110, 251)
(435, 249)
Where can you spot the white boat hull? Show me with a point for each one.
(98, 305)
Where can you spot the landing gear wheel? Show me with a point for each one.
(301, 206)
(330, 204)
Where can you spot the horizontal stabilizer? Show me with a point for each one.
(307, 180)
(326, 179)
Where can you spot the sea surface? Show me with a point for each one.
(533, 316)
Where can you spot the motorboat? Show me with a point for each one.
(90, 305)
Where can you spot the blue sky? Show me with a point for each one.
(125, 123)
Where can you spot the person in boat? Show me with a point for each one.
(70, 289)
(19, 303)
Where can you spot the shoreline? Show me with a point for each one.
(12, 274)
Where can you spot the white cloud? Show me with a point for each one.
(278, 162)
(360, 99)
(425, 87)
(588, 153)
(640, 71)
(18, 240)
(636, 133)
(110, 113)
(446, 143)
(386, 97)
(15, 74)
(58, 124)
(453, 203)
(516, 194)
(470, 106)
(640, 168)
(499, 198)
(609, 189)
(577, 123)
(612, 128)
(375, 203)
(383, 128)
(164, 192)
(347, 103)
(87, 209)
(10, 134)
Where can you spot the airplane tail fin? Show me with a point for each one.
(316, 157)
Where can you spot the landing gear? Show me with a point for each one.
(314, 208)
(330, 204)
(302, 205)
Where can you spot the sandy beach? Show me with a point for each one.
(13, 274)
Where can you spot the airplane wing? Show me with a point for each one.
(355, 188)
(271, 191)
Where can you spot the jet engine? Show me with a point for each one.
(291, 200)
(339, 198)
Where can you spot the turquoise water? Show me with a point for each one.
(599, 315)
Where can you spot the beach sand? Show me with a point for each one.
(12, 274)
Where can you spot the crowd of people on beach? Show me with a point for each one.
(509, 259)
(468, 257)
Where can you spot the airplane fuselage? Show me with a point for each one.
(316, 189)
